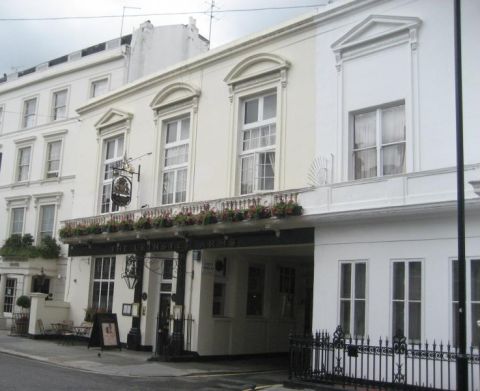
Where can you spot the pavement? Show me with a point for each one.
(133, 363)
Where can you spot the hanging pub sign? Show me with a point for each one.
(121, 190)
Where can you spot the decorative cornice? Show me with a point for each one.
(54, 197)
(175, 94)
(25, 140)
(113, 117)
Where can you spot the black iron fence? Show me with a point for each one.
(395, 363)
(174, 336)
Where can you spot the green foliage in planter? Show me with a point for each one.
(93, 229)
(284, 209)
(207, 217)
(256, 212)
(163, 221)
(143, 223)
(232, 215)
(49, 248)
(19, 246)
(24, 302)
(80, 230)
(183, 219)
(126, 225)
(110, 227)
(66, 232)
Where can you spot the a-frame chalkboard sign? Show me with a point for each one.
(105, 332)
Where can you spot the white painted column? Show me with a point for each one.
(27, 284)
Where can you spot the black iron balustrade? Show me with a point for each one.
(345, 360)
(176, 340)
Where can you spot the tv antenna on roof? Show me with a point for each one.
(123, 17)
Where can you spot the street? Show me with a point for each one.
(19, 374)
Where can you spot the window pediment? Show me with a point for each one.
(175, 94)
(256, 66)
(377, 28)
(113, 117)
(17, 201)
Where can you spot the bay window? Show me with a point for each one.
(379, 142)
(258, 138)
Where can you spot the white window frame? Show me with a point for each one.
(12, 220)
(25, 115)
(20, 148)
(110, 280)
(53, 174)
(14, 296)
(40, 219)
(379, 145)
(17, 202)
(54, 107)
(91, 90)
(406, 300)
(104, 162)
(175, 168)
(468, 302)
(256, 153)
(45, 199)
(352, 299)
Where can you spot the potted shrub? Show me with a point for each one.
(110, 227)
(162, 221)
(182, 219)
(207, 217)
(143, 223)
(256, 212)
(49, 248)
(22, 319)
(125, 225)
(232, 215)
(283, 209)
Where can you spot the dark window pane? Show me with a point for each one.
(359, 318)
(110, 297)
(104, 296)
(398, 281)
(98, 268)
(167, 269)
(475, 279)
(455, 280)
(414, 322)
(96, 295)
(415, 280)
(346, 270)
(106, 268)
(455, 330)
(256, 282)
(475, 328)
(345, 315)
(398, 319)
(251, 111)
(360, 277)
(269, 106)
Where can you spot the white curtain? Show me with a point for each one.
(364, 130)
(393, 131)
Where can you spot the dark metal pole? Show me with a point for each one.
(462, 364)
(134, 337)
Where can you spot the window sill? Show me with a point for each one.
(50, 180)
(20, 184)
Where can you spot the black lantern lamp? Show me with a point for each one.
(131, 274)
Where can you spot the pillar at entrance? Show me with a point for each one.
(3, 285)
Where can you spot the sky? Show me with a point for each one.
(28, 43)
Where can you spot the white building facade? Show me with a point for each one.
(38, 132)
(350, 112)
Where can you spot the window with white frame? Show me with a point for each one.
(23, 163)
(353, 279)
(52, 168)
(98, 87)
(407, 300)
(46, 221)
(59, 105)
(103, 283)
(379, 142)
(255, 290)
(175, 161)
(287, 291)
(29, 112)
(17, 221)
(10, 294)
(472, 304)
(112, 156)
(258, 138)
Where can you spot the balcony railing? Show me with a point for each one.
(218, 205)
